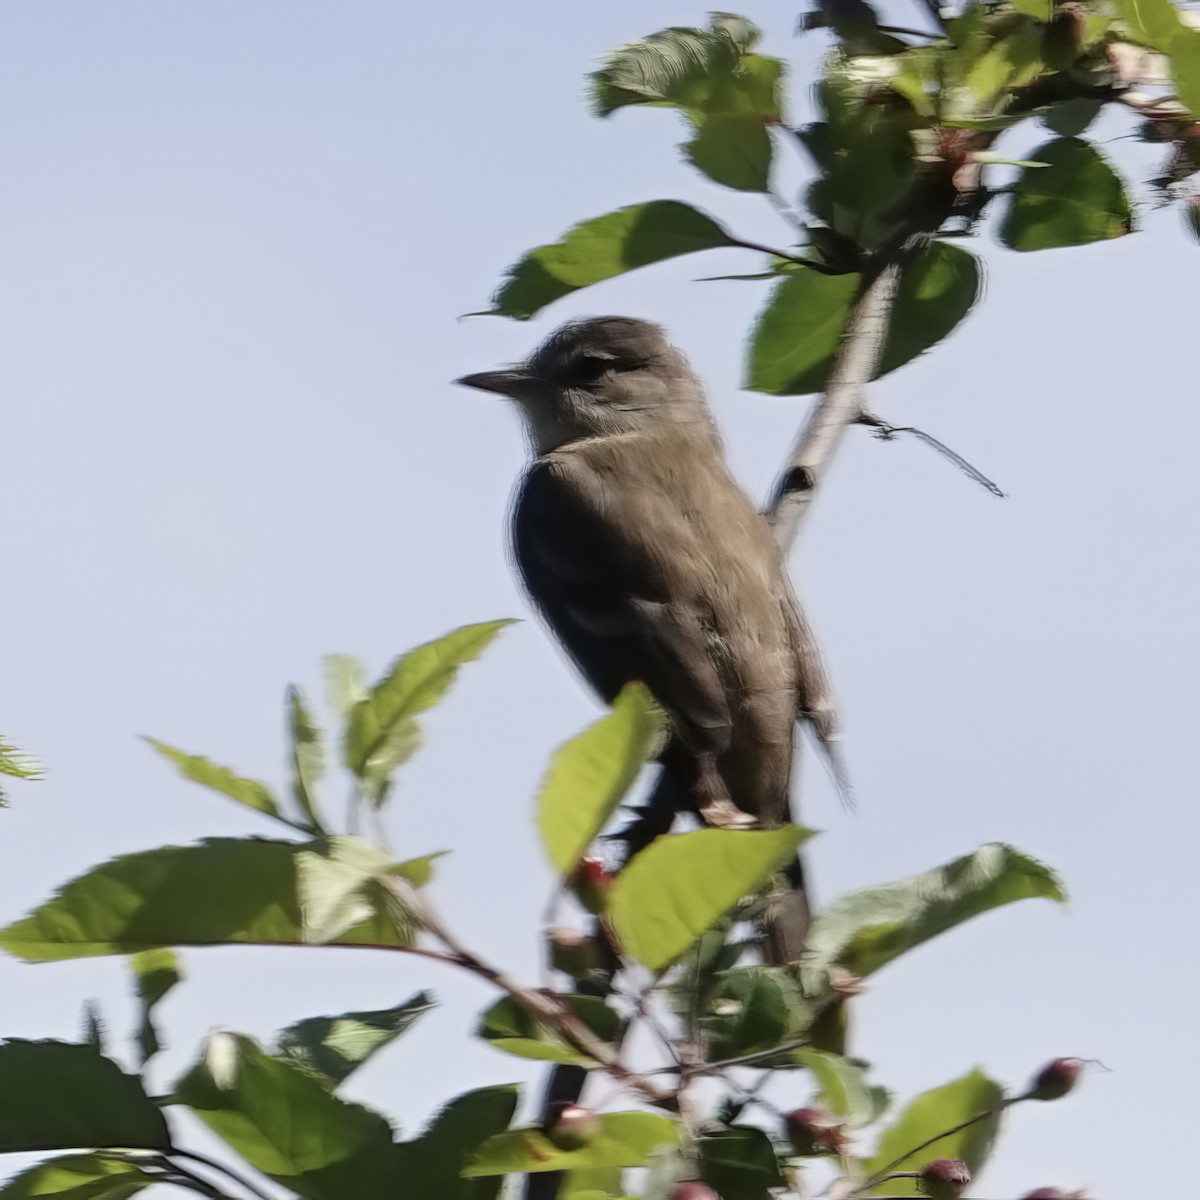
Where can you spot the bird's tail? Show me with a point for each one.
(786, 918)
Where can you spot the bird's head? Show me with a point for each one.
(599, 377)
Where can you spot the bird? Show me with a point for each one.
(650, 563)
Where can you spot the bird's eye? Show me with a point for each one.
(587, 367)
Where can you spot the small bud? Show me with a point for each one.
(569, 1126)
(1056, 1079)
(693, 1189)
(944, 1179)
(813, 1131)
(590, 882)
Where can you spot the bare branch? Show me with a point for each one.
(841, 406)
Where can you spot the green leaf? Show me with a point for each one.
(602, 248)
(866, 930)
(1011, 62)
(842, 1086)
(79, 1177)
(1075, 199)
(590, 775)
(221, 892)
(1040, 10)
(740, 1163)
(507, 1026)
(1185, 67)
(336, 884)
(434, 1162)
(18, 765)
(337, 1046)
(733, 150)
(796, 335)
(700, 69)
(418, 871)
(1153, 23)
(381, 730)
(285, 1122)
(928, 1115)
(345, 682)
(155, 973)
(752, 1009)
(680, 885)
(249, 792)
(1069, 118)
(936, 291)
(626, 1140)
(58, 1096)
(308, 760)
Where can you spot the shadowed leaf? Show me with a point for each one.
(58, 1096)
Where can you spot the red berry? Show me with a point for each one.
(569, 1126)
(944, 1179)
(693, 1189)
(590, 882)
(813, 1131)
(1056, 1079)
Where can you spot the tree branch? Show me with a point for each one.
(840, 406)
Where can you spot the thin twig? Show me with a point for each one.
(746, 1060)
(213, 1165)
(546, 1009)
(885, 1172)
(886, 431)
(812, 264)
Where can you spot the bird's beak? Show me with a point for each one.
(509, 381)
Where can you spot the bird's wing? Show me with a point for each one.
(607, 567)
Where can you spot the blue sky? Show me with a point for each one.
(238, 241)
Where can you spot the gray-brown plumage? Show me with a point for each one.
(650, 563)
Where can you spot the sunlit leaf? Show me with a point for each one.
(842, 1086)
(932, 1113)
(220, 779)
(865, 930)
(223, 891)
(680, 885)
(602, 248)
(1075, 199)
(58, 1096)
(590, 775)
(625, 1140)
(381, 729)
(337, 1046)
(95, 1176)
(345, 682)
(155, 973)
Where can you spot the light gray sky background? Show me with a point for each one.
(237, 239)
